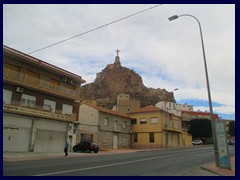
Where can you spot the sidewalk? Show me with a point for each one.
(25, 156)
(222, 172)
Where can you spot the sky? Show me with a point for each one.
(167, 54)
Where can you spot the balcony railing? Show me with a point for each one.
(20, 78)
(184, 130)
(38, 111)
(173, 129)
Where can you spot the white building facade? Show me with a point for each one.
(174, 108)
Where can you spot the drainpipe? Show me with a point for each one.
(33, 135)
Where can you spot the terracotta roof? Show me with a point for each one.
(109, 111)
(146, 109)
(200, 113)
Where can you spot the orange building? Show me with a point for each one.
(155, 128)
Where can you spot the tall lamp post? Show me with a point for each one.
(208, 87)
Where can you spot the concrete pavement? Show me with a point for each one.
(222, 172)
(24, 156)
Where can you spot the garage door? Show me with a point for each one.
(49, 141)
(16, 139)
(16, 132)
(50, 136)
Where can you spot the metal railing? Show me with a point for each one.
(37, 83)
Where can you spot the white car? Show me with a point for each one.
(197, 142)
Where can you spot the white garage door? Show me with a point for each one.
(17, 140)
(49, 141)
(16, 132)
(50, 136)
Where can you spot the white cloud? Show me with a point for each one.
(166, 54)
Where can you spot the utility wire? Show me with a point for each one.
(126, 17)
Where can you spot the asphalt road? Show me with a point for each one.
(171, 162)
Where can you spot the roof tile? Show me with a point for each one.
(109, 111)
(146, 109)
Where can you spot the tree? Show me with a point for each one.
(231, 129)
(200, 128)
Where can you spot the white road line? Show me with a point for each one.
(114, 164)
(103, 166)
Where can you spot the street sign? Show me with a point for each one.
(223, 153)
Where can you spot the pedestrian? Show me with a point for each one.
(66, 148)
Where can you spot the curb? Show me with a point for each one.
(27, 157)
(220, 171)
(211, 171)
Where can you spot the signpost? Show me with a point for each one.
(223, 153)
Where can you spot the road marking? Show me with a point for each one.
(114, 164)
(96, 167)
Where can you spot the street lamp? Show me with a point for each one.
(208, 87)
(176, 89)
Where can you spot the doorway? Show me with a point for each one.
(115, 142)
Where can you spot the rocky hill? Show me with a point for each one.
(115, 79)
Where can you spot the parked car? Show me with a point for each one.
(86, 146)
(197, 142)
(231, 142)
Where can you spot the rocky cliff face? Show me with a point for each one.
(115, 79)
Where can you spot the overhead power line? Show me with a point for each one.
(126, 17)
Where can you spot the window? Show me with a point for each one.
(133, 121)
(7, 96)
(143, 121)
(115, 125)
(67, 109)
(124, 124)
(49, 105)
(32, 77)
(11, 71)
(28, 100)
(86, 137)
(154, 120)
(175, 125)
(170, 123)
(135, 137)
(106, 121)
(151, 137)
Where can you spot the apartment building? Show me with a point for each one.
(109, 129)
(174, 108)
(40, 104)
(155, 128)
(125, 104)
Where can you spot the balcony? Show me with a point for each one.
(22, 79)
(172, 129)
(184, 130)
(37, 111)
